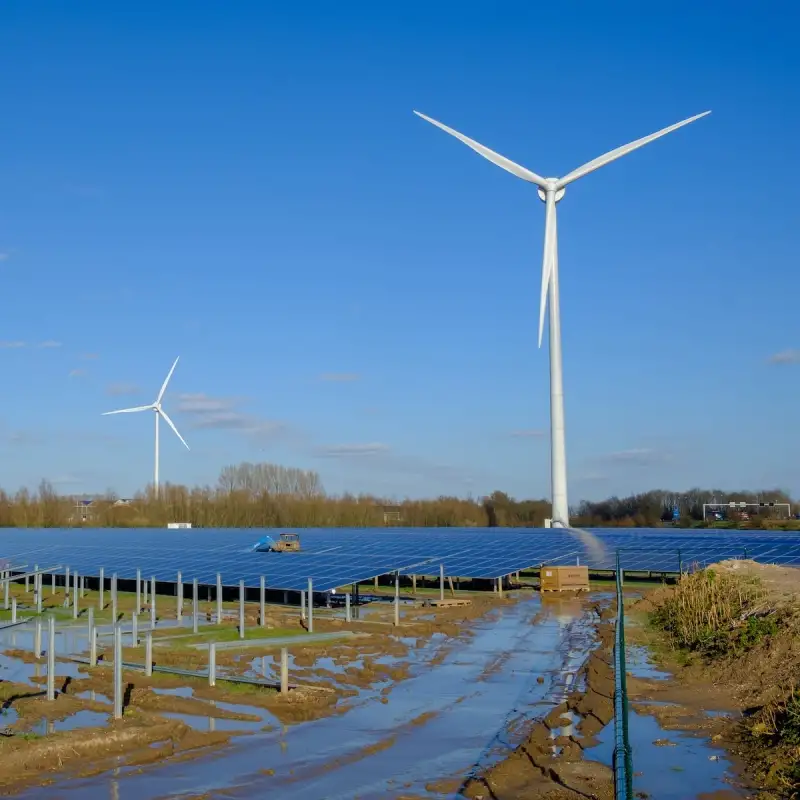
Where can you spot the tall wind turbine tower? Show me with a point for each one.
(159, 412)
(551, 191)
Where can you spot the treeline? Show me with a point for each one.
(261, 495)
(212, 508)
(269, 495)
(656, 508)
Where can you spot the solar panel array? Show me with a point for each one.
(335, 557)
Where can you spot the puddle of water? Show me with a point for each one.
(440, 721)
(180, 691)
(640, 665)
(81, 719)
(8, 717)
(211, 723)
(719, 714)
(667, 770)
(17, 671)
(97, 697)
(199, 723)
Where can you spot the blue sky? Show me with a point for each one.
(351, 290)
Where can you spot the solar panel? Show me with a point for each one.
(335, 557)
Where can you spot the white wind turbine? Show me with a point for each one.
(159, 412)
(551, 190)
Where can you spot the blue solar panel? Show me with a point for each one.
(337, 557)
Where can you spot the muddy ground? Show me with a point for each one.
(550, 763)
(77, 735)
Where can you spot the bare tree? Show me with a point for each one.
(270, 479)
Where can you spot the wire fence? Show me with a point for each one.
(623, 764)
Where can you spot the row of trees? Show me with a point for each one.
(269, 495)
(655, 508)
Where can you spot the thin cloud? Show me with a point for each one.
(640, 456)
(381, 462)
(785, 357)
(224, 413)
(122, 389)
(24, 438)
(532, 433)
(592, 477)
(46, 345)
(5, 256)
(340, 377)
(66, 480)
(203, 404)
(89, 356)
(353, 450)
(77, 373)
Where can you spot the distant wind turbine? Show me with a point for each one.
(159, 412)
(551, 190)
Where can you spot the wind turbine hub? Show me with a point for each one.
(558, 193)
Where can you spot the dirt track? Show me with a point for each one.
(549, 764)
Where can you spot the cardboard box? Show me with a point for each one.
(564, 579)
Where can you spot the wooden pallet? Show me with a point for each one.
(565, 589)
(450, 602)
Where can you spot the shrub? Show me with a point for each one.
(714, 613)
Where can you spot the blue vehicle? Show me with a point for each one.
(264, 545)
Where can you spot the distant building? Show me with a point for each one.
(85, 507)
(392, 515)
(83, 510)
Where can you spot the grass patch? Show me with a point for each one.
(222, 633)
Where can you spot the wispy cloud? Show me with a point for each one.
(77, 373)
(379, 459)
(89, 356)
(592, 477)
(24, 438)
(46, 345)
(785, 357)
(340, 377)
(66, 480)
(201, 404)
(205, 411)
(122, 389)
(353, 450)
(640, 456)
(532, 433)
(5, 256)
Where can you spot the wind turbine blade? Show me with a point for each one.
(127, 410)
(172, 425)
(547, 258)
(613, 155)
(495, 158)
(166, 381)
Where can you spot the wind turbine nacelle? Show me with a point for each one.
(559, 194)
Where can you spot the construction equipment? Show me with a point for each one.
(564, 579)
(286, 543)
